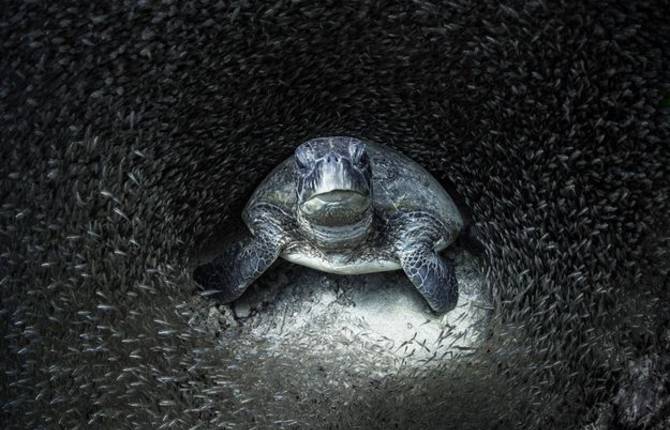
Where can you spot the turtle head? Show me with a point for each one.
(334, 181)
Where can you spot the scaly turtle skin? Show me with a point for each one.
(346, 206)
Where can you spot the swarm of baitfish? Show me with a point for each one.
(130, 132)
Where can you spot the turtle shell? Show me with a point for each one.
(399, 184)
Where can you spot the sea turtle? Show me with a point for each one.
(347, 206)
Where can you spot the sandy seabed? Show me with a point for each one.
(374, 325)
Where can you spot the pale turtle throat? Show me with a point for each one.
(335, 227)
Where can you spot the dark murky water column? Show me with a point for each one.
(130, 133)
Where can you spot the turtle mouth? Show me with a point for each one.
(336, 208)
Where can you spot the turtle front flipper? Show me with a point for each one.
(230, 274)
(431, 274)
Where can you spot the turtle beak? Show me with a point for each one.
(337, 207)
(348, 198)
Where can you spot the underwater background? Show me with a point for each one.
(132, 134)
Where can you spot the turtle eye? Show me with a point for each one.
(303, 157)
(363, 160)
(358, 154)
